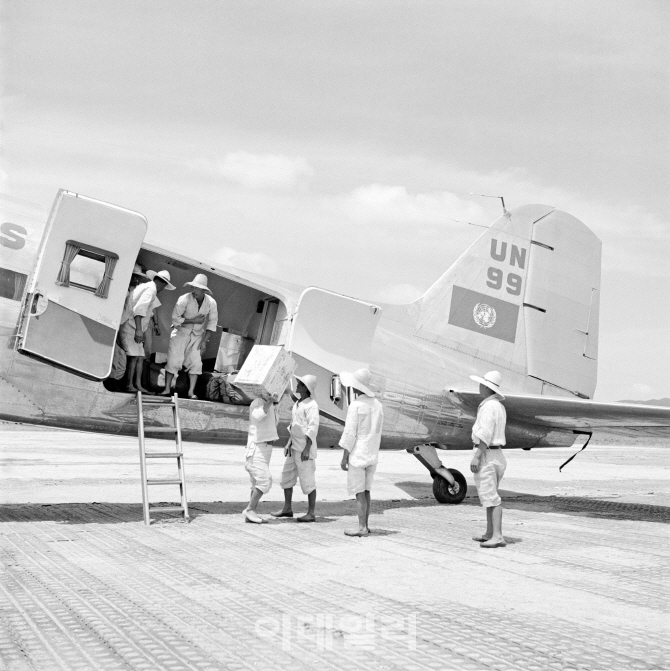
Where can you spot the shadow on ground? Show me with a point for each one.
(120, 513)
(568, 505)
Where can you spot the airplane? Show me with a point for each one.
(523, 300)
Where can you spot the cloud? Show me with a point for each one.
(254, 262)
(388, 204)
(265, 171)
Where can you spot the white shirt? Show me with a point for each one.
(305, 422)
(262, 425)
(489, 426)
(144, 301)
(363, 431)
(187, 308)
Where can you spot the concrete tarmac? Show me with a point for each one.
(582, 583)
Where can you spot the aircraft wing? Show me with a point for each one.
(569, 415)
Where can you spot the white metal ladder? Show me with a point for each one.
(170, 402)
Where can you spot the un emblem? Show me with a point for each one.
(484, 315)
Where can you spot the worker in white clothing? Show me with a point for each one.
(300, 451)
(488, 463)
(120, 360)
(361, 439)
(144, 301)
(194, 318)
(262, 433)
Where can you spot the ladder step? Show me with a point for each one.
(165, 509)
(164, 482)
(161, 455)
(160, 429)
(154, 400)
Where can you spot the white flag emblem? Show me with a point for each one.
(484, 315)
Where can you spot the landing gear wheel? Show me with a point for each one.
(446, 493)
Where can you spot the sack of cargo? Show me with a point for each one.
(221, 390)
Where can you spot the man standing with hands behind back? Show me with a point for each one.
(488, 463)
(361, 440)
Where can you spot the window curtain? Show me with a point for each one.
(103, 289)
(71, 250)
(19, 285)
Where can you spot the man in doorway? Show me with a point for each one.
(300, 450)
(488, 463)
(143, 302)
(361, 439)
(194, 319)
(120, 360)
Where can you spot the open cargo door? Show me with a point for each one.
(331, 333)
(75, 297)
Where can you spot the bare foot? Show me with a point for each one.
(357, 532)
(481, 539)
(494, 543)
(131, 389)
(306, 518)
(166, 392)
(144, 391)
(282, 513)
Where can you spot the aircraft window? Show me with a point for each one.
(87, 267)
(12, 284)
(86, 273)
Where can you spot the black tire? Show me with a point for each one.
(445, 493)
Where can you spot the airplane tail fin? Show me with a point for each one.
(524, 297)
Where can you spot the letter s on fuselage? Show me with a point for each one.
(12, 235)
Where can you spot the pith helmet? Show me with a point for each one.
(492, 380)
(199, 281)
(163, 275)
(309, 381)
(137, 270)
(359, 380)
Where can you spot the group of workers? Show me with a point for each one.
(360, 441)
(194, 318)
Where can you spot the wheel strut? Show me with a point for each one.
(427, 455)
(449, 485)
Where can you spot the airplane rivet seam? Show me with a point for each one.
(501, 363)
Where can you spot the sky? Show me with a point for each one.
(336, 143)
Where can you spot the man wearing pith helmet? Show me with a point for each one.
(300, 451)
(194, 318)
(361, 439)
(143, 302)
(488, 463)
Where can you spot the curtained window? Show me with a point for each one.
(103, 288)
(19, 286)
(87, 267)
(12, 284)
(71, 251)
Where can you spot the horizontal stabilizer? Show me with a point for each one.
(570, 415)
